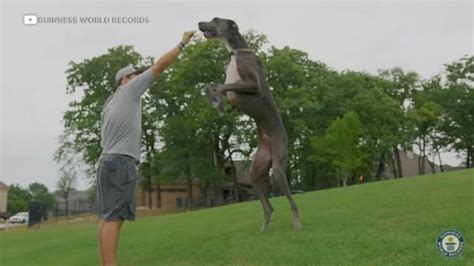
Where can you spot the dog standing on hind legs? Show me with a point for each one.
(247, 90)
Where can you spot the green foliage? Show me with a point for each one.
(457, 99)
(339, 147)
(19, 198)
(186, 115)
(383, 118)
(197, 142)
(39, 193)
(184, 139)
(401, 85)
(302, 90)
(95, 79)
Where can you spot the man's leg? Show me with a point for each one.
(109, 238)
(101, 249)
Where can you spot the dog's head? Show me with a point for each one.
(218, 28)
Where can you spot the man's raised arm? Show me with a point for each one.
(171, 55)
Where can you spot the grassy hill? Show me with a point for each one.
(382, 223)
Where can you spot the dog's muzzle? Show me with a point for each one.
(208, 30)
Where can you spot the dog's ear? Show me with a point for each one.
(233, 25)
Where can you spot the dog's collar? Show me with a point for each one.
(238, 51)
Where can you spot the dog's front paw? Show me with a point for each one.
(219, 105)
(215, 97)
(210, 87)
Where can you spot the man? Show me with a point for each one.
(120, 142)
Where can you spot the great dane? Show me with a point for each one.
(246, 88)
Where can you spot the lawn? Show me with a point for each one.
(382, 223)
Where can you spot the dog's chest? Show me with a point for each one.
(232, 73)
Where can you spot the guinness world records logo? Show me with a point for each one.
(450, 243)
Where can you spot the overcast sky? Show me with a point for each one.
(418, 36)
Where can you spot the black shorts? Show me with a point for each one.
(116, 187)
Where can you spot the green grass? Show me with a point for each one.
(381, 223)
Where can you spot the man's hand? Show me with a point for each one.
(171, 55)
(187, 36)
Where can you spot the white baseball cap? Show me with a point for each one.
(128, 70)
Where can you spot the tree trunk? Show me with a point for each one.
(236, 193)
(381, 166)
(419, 165)
(419, 157)
(433, 162)
(440, 162)
(190, 192)
(295, 170)
(189, 181)
(432, 166)
(66, 200)
(394, 167)
(158, 196)
(150, 190)
(150, 178)
(399, 162)
(150, 153)
(423, 156)
(469, 157)
(206, 196)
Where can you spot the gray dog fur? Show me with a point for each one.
(247, 90)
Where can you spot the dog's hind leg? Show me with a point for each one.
(259, 185)
(279, 161)
(258, 173)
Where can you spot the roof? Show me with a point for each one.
(73, 195)
(409, 161)
(3, 186)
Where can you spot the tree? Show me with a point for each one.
(66, 183)
(305, 94)
(400, 87)
(39, 193)
(70, 162)
(381, 116)
(197, 142)
(426, 117)
(92, 195)
(457, 100)
(95, 79)
(18, 199)
(185, 140)
(185, 115)
(340, 147)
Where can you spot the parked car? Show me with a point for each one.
(21, 217)
(297, 191)
(4, 215)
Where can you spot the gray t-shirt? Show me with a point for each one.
(121, 121)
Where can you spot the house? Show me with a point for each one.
(241, 184)
(78, 202)
(172, 195)
(409, 162)
(238, 184)
(3, 197)
(176, 194)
